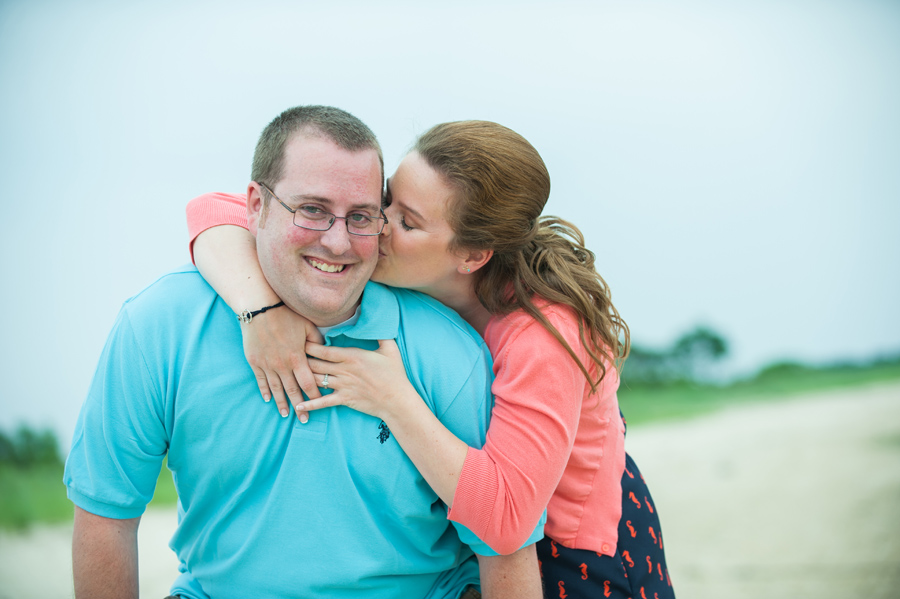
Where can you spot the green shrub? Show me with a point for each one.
(31, 480)
(29, 447)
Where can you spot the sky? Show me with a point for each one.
(732, 163)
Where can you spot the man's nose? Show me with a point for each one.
(337, 238)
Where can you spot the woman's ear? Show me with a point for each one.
(472, 260)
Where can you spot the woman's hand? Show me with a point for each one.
(274, 345)
(375, 383)
(372, 382)
(274, 342)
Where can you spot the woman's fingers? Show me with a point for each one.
(326, 401)
(286, 381)
(291, 388)
(317, 350)
(331, 353)
(262, 382)
(320, 367)
(269, 383)
(278, 392)
(287, 388)
(388, 347)
(363, 380)
(324, 381)
(274, 349)
(307, 380)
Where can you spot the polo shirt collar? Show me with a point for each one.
(379, 316)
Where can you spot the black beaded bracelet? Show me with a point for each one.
(246, 316)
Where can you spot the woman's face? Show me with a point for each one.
(414, 248)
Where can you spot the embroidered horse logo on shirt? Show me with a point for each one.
(384, 433)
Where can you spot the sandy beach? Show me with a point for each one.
(778, 499)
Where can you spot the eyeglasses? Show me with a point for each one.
(313, 218)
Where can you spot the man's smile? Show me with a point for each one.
(325, 266)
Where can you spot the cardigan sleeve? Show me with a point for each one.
(214, 209)
(504, 488)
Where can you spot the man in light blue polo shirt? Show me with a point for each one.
(269, 507)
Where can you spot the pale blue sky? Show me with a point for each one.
(731, 163)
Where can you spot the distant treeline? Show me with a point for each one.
(28, 447)
(696, 357)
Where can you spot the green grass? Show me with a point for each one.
(34, 494)
(37, 495)
(642, 404)
(165, 489)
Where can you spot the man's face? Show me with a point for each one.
(319, 274)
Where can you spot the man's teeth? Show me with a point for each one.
(327, 267)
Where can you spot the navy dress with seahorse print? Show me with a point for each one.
(636, 571)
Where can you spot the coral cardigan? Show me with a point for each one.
(551, 442)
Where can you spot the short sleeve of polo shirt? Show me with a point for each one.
(112, 471)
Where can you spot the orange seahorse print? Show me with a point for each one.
(606, 591)
(628, 558)
(643, 595)
(630, 529)
(649, 565)
(659, 569)
(553, 550)
(541, 568)
(634, 499)
(562, 590)
(630, 475)
(649, 506)
(653, 534)
(584, 575)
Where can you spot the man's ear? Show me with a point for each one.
(256, 208)
(472, 260)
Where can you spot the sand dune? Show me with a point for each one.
(796, 498)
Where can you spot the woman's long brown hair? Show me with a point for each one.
(502, 186)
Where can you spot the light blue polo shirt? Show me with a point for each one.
(269, 506)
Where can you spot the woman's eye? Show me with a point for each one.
(403, 224)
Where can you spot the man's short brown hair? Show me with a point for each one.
(335, 124)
